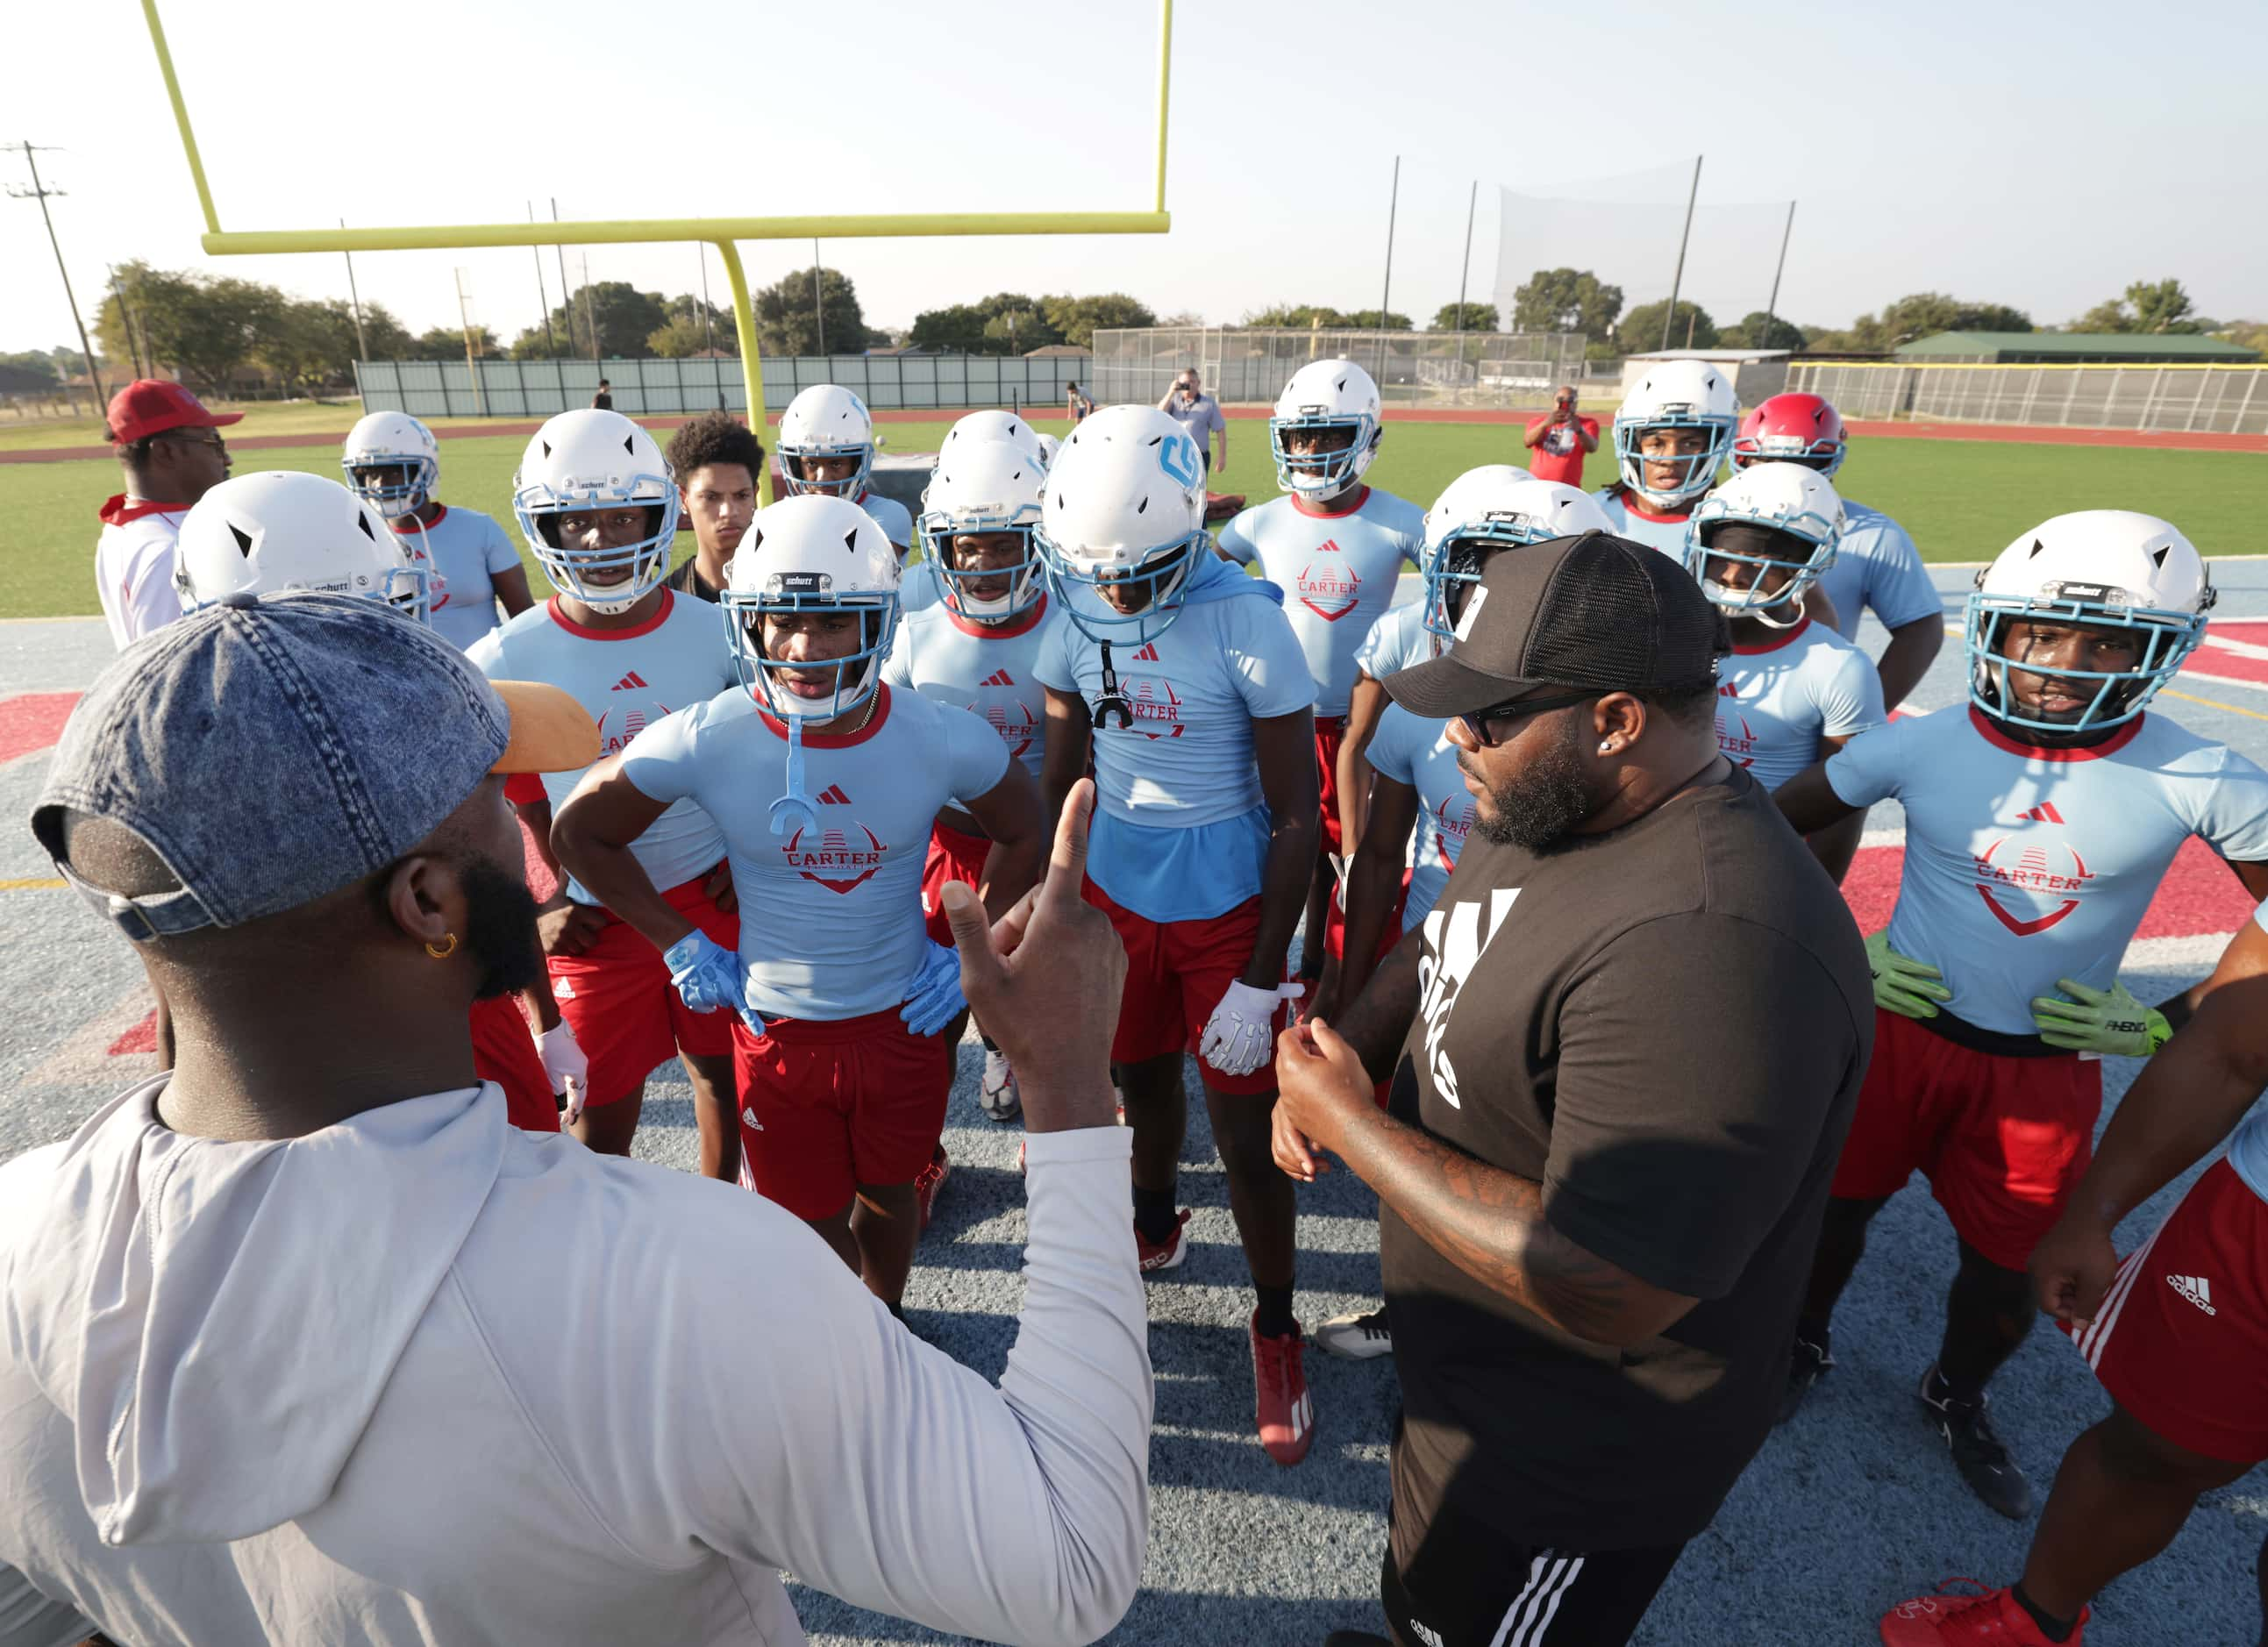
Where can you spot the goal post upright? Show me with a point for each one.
(721, 232)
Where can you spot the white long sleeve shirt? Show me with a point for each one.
(420, 1377)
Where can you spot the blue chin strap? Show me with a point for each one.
(1463, 555)
(1322, 473)
(792, 458)
(1165, 572)
(1699, 471)
(744, 615)
(1026, 577)
(647, 559)
(2117, 696)
(421, 475)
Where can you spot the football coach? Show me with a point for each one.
(1624, 1047)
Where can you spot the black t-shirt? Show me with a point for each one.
(688, 580)
(602, 402)
(1666, 1028)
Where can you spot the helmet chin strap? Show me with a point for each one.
(793, 810)
(1763, 614)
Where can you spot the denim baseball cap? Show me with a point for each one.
(270, 751)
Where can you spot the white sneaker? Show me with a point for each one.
(1356, 1337)
(998, 1096)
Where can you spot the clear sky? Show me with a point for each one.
(2036, 155)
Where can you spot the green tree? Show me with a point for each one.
(1368, 321)
(1566, 300)
(691, 327)
(1472, 317)
(1078, 319)
(1297, 317)
(206, 327)
(447, 343)
(1757, 330)
(1640, 331)
(2245, 334)
(2155, 306)
(956, 329)
(38, 361)
(786, 326)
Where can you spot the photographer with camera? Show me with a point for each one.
(1560, 439)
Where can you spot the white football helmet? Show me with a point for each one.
(586, 461)
(1791, 499)
(1326, 396)
(985, 486)
(1124, 510)
(2104, 569)
(1049, 446)
(825, 421)
(1497, 506)
(993, 424)
(392, 441)
(1677, 394)
(280, 531)
(812, 555)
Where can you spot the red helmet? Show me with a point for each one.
(1792, 428)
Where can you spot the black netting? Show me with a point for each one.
(1622, 617)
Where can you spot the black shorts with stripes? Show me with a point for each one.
(1465, 1585)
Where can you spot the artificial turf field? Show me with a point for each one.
(1962, 500)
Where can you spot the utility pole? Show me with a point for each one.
(542, 298)
(125, 319)
(1677, 281)
(39, 193)
(708, 321)
(472, 362)
(566, 293)
(1464, 274)
(1393, 202)
(362, 341)
(589, 325)
(817, 312)
(1772, 307)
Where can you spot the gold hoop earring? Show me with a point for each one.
(442, 952)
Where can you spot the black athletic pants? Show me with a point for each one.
(1465, 1585)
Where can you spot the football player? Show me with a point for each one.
(826, 782)
(2040, 817)
(281, 532)
(2173, 1333)
(978, 648)
(1673, 432)
(1793, 691)
(717, 459)
(1335, 546)
(598, 505)
(1876, 565)
(1419, 809)
(394, 464)
(827, 449)
(1184, 678)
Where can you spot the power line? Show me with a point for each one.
(39, 193)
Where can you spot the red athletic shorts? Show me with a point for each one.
(1176, 972)
(952, 856)
(2182, 1339)
(628, 1018)
(504, 1052)
(2003, 1140)
(1331, 732)
(828, 1107)
(1335, 924)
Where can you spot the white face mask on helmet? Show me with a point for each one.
(825, 421)
(1791, 499)
(988, 425)
(820, 556)
(280, 531)
(1327, 396)
(990, 486)
(584, 462)
(2100, 568)
(405, 450)
(1124, 509)
(1497, 506)
(1676, 394)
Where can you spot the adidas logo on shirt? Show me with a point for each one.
(2041, 814)
(748, 1119)
(2196, 1288)
(1148, 654)
(1427, 1633)
(833, 796)
(1728, 690)
(630, 683)
(1000, 678)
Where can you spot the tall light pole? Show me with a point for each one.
(354, 297)
(39, 193)
(818, 313)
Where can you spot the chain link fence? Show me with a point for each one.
(538, 388)
(1416, 369)
(2184, 399)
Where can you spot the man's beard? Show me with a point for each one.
(500, 928)
(1542, 807)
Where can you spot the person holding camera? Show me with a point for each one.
(1560, 439)
(1199, 416)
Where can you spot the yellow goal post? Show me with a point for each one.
(721, 232)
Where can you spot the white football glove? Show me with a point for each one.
(565, 1068)
(1241, 1034)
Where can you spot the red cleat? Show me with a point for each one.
(929, 1180)
(1992, 1618)
(1166, 1255)
(1287, 1412)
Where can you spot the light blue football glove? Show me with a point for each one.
(934, 998)
(709, 978)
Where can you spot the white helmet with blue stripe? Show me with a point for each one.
(2099, 571)
(589, 461)
(1496, 506)
(391, 462)
(1337, 402)
(1125, 513)
(984, 487)
(1676, 394)
(810, 556)
(281, 532)
(1792, 500)
(825, 421)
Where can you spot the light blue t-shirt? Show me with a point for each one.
(466, 549)
(1395, 642)
(894, 519)
(1417, 752)
(2248, 1146)
(1776, 700)
(989, 671)
(830, 912)
(1181, 833)
(1877, 566)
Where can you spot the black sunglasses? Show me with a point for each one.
(1514, 711)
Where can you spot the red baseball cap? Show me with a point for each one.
(150, 406)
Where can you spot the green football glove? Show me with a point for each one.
(1903, 985)
(2100, 1020)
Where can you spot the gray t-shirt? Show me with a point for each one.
(1198, 418)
